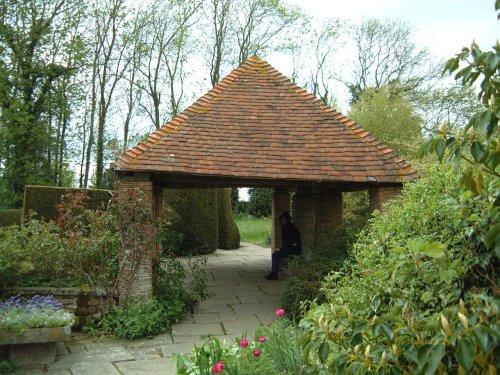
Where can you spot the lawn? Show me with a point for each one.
(255, 230)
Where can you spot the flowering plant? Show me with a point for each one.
(17, 314)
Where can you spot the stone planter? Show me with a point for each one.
(34, 345)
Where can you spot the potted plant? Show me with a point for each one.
(32, 327)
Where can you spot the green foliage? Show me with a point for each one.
(255, 230)
(463, 337)
(80, 249)
(9, 367)
(229, 236)
(307, 273)
(198, 219)
(44, 200)
(260, 202)
(433, 213)
(10, 216)
(133, 321)
(390, 118)
(178, 285)
(478, 144)
(279, 353)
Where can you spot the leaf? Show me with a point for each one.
(476, 149)
(388, 331)
(434, 249)
(491, 237)
(426, 296)
(434, 359)
(465, 353)
(484, 120)
(440, 148)
(447, 276)
(483, 338)
(323, 351)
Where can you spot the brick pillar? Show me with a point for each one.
(135, 280)
(281, 203)
(304, 217)
(381, 195)
(328, 216)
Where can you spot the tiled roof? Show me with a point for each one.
(257, 124)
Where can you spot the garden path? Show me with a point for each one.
(243, 302)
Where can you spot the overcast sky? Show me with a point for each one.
(444, 26)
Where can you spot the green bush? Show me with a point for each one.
(44, 200)
(133, 321)
(198, 219)
(260, 202)
(80, 249)
(229, 235)
(10, 217)
(434, 214)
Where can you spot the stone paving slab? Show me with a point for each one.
(91, 368)
(183, 329)
(160, 366)
(245, 301)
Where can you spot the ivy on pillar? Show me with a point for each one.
(138, 208)
(281, 203)
(379, 196)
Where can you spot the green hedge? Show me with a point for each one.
(198, 222)
(10, 216)
(44, 199)
(229, 235)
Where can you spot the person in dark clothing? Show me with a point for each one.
(292, 245)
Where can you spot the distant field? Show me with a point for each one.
(255, 230)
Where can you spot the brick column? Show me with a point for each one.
(381, 195)
(281, 203)
(135, 280)
(304, 217)
(328, 216)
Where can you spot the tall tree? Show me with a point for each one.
(29, 71)
(386, 55)
(389, 117)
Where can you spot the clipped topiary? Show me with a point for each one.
(229, 235)
(10, 217)
(44, 199)
(198, 221)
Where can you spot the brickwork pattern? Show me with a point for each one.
(380, 196)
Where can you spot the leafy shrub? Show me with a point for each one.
(177, 286)
(306, 274)
(80, 249)
(434, 214)
(462, 338)
(229, 236)
(132, 321)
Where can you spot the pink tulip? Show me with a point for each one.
(280, 312)
(256, 353)
(262, 339)
(244, 343)
(218, 367)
